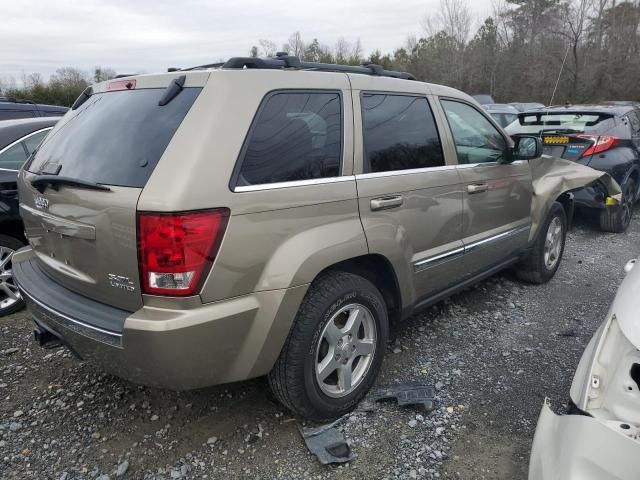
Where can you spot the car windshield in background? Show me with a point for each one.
(114, 138)
(504, 119)
(565, 122)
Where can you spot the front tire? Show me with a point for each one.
(10, 299)
(335, 348)
(617, 219)
(542, 262)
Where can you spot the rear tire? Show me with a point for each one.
(323, 349)
(543, 260)
(8, 289)
(617, 219)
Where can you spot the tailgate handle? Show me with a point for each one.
(62, 226)
(386, 202)
(477, 188)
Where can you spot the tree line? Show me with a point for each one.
(590, 48)
(526, 50)
(62, 88)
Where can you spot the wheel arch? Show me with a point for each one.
(378, 270)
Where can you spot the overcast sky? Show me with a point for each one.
(151, 35)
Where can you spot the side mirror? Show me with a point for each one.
(526, 147)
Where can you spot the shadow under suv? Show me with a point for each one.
(212, 225)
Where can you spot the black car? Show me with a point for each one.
(18, 138)
(12, 108)
(604, 137)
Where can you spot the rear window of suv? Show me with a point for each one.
(400, 133)
(114, 138)
(295, 136)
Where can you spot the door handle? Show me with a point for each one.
(477, 188)
(386, 202)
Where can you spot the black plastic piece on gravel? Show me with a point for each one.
(327, 443)
(405, 394)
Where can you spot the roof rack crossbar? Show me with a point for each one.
(282, 60)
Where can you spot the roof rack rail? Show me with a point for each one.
(284, 60)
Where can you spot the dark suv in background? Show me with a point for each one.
(11, 108)
(18, 139)
(604, 137)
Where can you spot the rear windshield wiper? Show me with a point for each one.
(40, 183)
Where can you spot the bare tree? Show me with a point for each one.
(453, 17)
(269, 48)
(295, 45)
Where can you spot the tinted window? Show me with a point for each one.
(13, 157)
(12, 114)
(34, 140)
(399, 133)
(114, 138)
(504, 119)
(296, 136)
(476, 139)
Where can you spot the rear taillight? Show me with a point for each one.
(600, 143)
(176, 250)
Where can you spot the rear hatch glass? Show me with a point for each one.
(85, 238)
(114, 138)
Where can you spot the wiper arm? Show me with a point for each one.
(40, 183)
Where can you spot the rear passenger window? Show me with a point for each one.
(296, 136)
(400, 133)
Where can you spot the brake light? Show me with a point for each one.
(176, 250)
(600, 143)
(121, 85)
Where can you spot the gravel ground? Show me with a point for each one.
(493, 353)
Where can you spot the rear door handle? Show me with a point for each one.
(386, 202)
(477, 188)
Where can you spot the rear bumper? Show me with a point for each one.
(576, 447)
(180, 349)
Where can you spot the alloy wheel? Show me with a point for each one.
(553, 243)
(9, 293)
(345, 350)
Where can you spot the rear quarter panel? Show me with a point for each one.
(276, 237)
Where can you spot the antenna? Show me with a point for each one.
(559, 75)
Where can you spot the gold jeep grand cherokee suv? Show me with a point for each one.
(269, 217)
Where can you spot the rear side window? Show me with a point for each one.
(295, 136)
(399, 133)
(114, 138)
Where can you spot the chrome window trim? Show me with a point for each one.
(425, 263)
(410, 171)
(8, 170)
(21, 139)
(480, 164)
(421, 265)
(295, 183)
(81, 328)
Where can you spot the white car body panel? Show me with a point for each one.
(604, 443)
